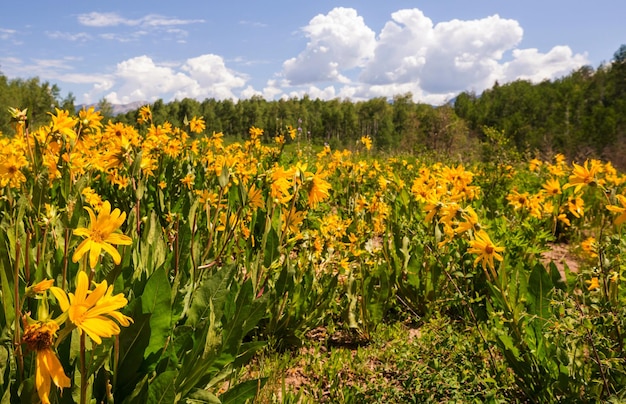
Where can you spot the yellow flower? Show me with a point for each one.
(255, 133)
(39, 287)
(519, 201)
(11, 169)
(552, 187)
(593, 284)
(64, 124)
(582, 175)
(145, 115)
(367, 142)
(318, 189)
(255, 198)
(197, 125)
(90, 118)
(281, 184)
(619, 209)
(291, 220)
(39, 336)
(188, 180)
(590, 246)
(534, 164)
(93, 311)
(485, 249)
(101, 234)
(576, 206)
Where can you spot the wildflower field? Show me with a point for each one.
(160, 264)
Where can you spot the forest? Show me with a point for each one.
(580, 115)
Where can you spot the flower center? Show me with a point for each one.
(77, 312)
(97, 236)
(489, 249)
(38, 337)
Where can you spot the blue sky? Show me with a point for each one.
(141, 51)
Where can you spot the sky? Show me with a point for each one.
(128, 51)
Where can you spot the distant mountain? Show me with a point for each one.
(117, 108)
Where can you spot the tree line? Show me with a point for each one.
(580, 115)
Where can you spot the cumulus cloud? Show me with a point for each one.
(530, 64)
(141, 79)
(341, 57)
(339, 40)
(411, 54)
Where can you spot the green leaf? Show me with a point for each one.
(248, 312)
(242, 392)
(271, 248)
(6, 277)
(162, 389)
(213, 290)
(539, 288)
(155, 301)
(202, 396)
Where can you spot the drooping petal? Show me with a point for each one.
(117, 258)
(119, 239)
(81, 250)
(100, 326)
(42, 378)
(61, 297)
(55, 369)
(94, 254)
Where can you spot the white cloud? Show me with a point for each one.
(68, 36)
(213, 79)
(342, 58)
(411, 54)
(468, 53)
(141, 79)
(339, 40)
(6, 33)
(530, 64)
(401, 49)
(96, 19)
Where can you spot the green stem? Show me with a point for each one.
(83, 371)
(16, 290)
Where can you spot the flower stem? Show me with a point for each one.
(83, 371)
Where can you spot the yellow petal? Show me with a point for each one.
(61, 297)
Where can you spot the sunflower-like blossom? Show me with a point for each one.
(619, 209)
(93, 311)
(583, 175)
(39, 337)
(318, 189)
(101, 234)
(486, 250)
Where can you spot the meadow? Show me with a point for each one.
(160, 264)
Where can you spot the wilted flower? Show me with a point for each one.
(39, 337)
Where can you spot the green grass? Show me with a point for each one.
(437, 361)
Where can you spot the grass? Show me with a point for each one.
(437, 361)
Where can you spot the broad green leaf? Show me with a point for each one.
(242, 392)
(162, 389)
(539, 288)
(271, 248)
(202, 396)
(214, 289)
(155, 301)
